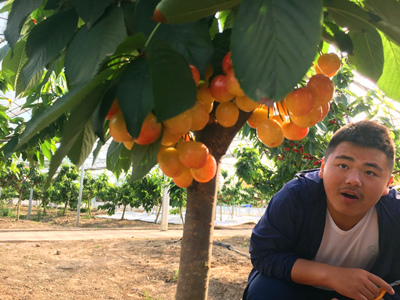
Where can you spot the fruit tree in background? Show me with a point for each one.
(172, 82)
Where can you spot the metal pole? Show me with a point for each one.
(164, 210)
(30, 204)
(78, 211)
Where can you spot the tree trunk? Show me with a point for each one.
(197, 240)
(123, 212)
(65, 207)
(158, 214)
(181, 215)
(88, 204)
(19, 204)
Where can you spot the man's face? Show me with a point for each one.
(354, 179)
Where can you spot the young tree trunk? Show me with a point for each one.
(181, 215)
(44, 204)
(158, 214)
(123, 212)
(88, 204)
(195, 258)
(19, 204)
(65, 207)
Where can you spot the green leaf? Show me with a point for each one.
(90, 10)
(20, 87)
(131, 44)
(226, 18)
(88, 49)
(4, 51)
(47, 40)
(78, 138)
(381, 14)
(388, 12)
(79, 119)
(101, 111)
(97, 149)
(129, 11)
(118, 158)
(45, 147)
(143, 159)
(125, 160)
(389, 82)
(273, 44)
(173, 86)
(191, 40)
(8, 148)
(367, 57)
(57, 159)
(6, 7)
(183, 11)
(14, 62)
(62, 105)
(19, 12)
(135, 95)
(113, 152)
(335, 35)
(83, 145)
(349, 15)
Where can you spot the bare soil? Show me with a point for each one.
(108, 269)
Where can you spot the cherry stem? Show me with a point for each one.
(151, 36)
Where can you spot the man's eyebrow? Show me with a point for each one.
(375, 166)
(372, 165)
(344, 157)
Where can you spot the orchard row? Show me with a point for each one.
(184, 159)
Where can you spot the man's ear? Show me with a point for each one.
(386, 191)
(321, 171)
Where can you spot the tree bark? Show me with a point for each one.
(89, 210)
(123, 212)
(181, 215)
(197, 240)
(158, 214)
(65, 207)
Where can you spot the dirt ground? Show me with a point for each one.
(108, 269)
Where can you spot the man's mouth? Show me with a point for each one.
(350, 195)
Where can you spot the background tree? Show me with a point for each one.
(44, 195)
(88, 190)
(102, 186)
(177, 198)
(21, 178)
(116, 49)
(65, 187)
(148, 192)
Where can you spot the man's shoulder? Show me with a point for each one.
(309, 175)
(392, 198)
(307, 178)
(306, 185)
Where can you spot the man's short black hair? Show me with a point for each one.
(368, 134)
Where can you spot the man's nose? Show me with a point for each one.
(354, 178)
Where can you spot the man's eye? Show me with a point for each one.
(342, 166)
(370, 173)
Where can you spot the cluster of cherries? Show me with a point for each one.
(184, 159)
(290, 118)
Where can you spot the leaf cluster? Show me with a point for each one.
(72, 59)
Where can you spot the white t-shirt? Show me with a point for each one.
(355, 248)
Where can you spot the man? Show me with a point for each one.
(333, 233)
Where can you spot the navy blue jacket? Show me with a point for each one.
(293, 225)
